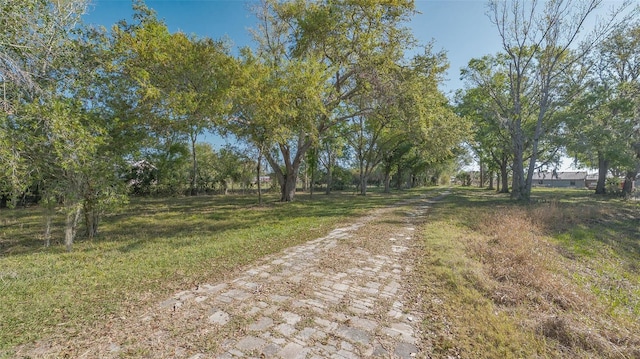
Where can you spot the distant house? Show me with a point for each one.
(560, 179)
(263, 180)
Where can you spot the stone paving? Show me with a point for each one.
(340, 296)
(353, 313)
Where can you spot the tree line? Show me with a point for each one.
(91, 115)
(557, 88)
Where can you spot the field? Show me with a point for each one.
(151, 249)
(556, 278)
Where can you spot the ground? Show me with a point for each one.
(348, 294)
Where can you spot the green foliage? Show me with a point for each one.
(63, 147)
(183, 81)
(313, 60)
(539, 67)
(35, 35)
(602, 124)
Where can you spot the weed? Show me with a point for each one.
(549, 279)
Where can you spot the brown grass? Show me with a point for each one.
(529, 275)
(523, 263)
(557, 278)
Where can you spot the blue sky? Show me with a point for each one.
(459, 27)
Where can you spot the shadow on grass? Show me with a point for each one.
(578, 217)
(178, 220)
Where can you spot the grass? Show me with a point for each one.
(145, 253)
(558, 278)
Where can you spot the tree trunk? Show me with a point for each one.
(363, 184)
(289, 177)
(504, 176)
(536, 141)
(313, 172)
(518, 190)
(288, 190)
(399, 179)
(491, 180)
(387, 180)
(603, 169)
(91, 219)
(627, 187)
(47, 227)
(329, 179)
(194, 167)
(305, 180)
(481, 185)
(71, 227)
(363, 178)
(259, 182)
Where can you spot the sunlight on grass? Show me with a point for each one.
(147, 252)
(554, 278)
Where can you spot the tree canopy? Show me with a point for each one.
(90, 116)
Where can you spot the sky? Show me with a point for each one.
(458, 27)
(461, 28)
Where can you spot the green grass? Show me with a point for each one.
(555, 278)
(145, 253)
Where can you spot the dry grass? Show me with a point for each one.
(522, 262)
(553, 279)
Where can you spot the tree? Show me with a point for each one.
(183, 80)
(485, 106)
(407, 116)
(602, 123)
(621, 51)
(171, 158)
(35, 34)
(332, 148)
(598, 131)
(60, 142)
(435, 130)
(537, 39)
(208, 168)
(79, 173)
(312, 59)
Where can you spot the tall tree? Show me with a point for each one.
(35, 35)
(57, 140)
(184, 80)
(332, 148)
(317, 57)
(487, 106)
(537, 38)
(621, 51)
(602, 124)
